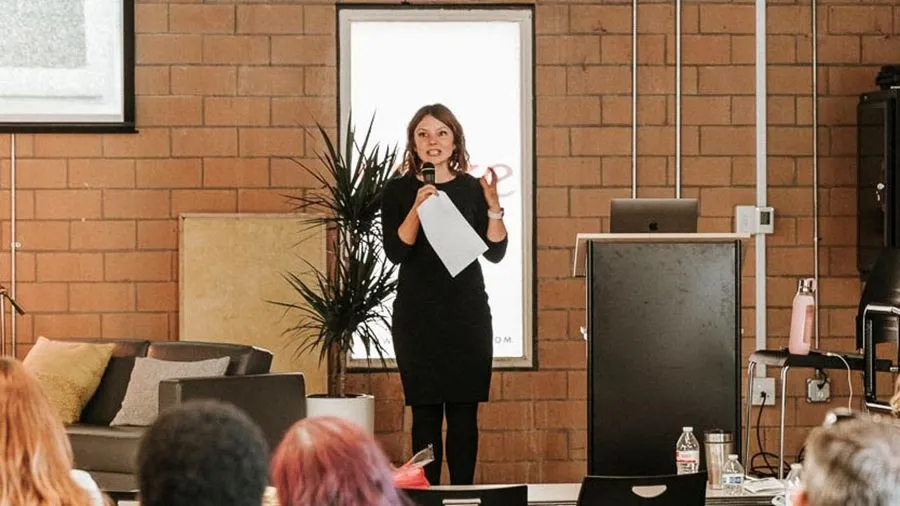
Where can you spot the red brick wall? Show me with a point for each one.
(226, 91)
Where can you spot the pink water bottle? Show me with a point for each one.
(802, 318)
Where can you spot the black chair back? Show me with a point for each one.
(487, 495)
(877, 318)
(665, 490)
(882, 287)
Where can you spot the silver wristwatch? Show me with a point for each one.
(495, 216)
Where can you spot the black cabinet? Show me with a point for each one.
(878, 175)
(663, 349)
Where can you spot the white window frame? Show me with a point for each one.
(524, 16)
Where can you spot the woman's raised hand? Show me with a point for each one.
(489, 186)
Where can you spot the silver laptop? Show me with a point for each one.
(667, 216)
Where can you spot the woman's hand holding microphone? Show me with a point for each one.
(423, 193)
(409, 229)
(428, 177)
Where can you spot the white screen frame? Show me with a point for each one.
(523, 16)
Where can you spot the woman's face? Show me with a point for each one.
(434, 141)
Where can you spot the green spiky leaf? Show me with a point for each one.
(331, 308)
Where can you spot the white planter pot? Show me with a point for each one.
(359, 409)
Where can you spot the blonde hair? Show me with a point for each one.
(35, 453)
(853, 462)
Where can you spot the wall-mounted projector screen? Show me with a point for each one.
(66, 65)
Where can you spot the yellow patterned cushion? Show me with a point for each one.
(68, 372)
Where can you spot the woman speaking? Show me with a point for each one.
(441, 325)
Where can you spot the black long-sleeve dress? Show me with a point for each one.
(441, 325)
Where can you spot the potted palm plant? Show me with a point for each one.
(347, 301)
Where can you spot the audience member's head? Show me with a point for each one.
(35, 455)
(852, 462)
(202, 453)
(325, 461)
(895, 399)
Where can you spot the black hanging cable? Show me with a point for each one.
(767, 469)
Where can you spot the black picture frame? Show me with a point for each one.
(121, 120)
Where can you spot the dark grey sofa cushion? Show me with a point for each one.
(107, 400)
(107, 449)
(245, 360)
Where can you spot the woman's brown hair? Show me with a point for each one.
(35, 454)
(459, 160)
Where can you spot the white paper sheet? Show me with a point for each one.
(453, 239)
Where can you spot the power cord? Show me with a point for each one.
(849, 381)
(767, 469)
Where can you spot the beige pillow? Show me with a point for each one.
(69, 372)
(141, 403)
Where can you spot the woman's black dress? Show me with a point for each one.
(441, 325)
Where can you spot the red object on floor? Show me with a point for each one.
(410, 477)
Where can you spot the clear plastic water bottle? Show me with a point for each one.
(687, 452)
(792, 484)
(733, 476)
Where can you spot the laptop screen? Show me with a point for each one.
(668, 216)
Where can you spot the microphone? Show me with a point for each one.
(428, 172)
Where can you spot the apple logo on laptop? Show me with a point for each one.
(654, 227)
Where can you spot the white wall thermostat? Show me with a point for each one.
(754, 220)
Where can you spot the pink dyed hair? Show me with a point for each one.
(326, 461)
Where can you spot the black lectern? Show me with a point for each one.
(663, 331)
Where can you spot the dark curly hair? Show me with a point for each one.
(203, 453)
